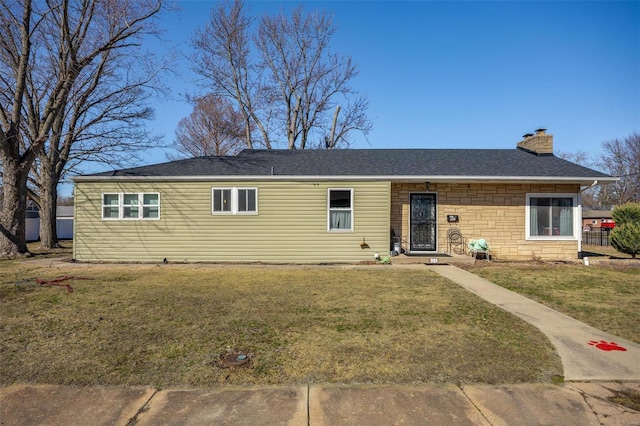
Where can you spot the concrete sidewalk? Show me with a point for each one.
(521, 404)
(586, 352)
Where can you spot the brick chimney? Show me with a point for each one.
(539, 143)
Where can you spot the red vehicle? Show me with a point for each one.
(608, 224)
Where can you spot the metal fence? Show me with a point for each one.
(597, 237)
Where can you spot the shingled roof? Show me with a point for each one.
(374, 164)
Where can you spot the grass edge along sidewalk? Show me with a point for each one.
(605, 296)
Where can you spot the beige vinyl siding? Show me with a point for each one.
(290, 227)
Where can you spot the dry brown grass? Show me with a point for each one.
(65, 250)
(605, 297)
(168, 326)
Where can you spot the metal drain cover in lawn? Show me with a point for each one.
(235, 360)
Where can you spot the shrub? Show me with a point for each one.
(625, 237)
(625, 213)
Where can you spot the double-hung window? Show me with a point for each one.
(151, 206)
(119, 206)
(111, 206)
(340, 210)
(234, 200)
(131, 206)
(551, 216)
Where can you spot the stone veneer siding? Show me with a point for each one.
(540, 143)
(495, 212)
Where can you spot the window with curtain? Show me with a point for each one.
(340, 217)
(131, 206)
(111, 206)
(151, 206)
(551, 215)
(131, 209)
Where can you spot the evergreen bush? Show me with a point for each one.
(625, 237)
(625, 213)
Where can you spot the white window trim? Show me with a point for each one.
(575, 213)
(351, 209)
(234, 201)
(235, 194)
(103, 205)
(121, 206)
(222, 213)
(142, 205)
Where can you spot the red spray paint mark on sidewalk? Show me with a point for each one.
(607, 346)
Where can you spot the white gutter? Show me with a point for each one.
(407, 178)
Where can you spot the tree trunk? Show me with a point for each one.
(48, 201)
(14, 206)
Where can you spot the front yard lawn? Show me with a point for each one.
(169, 325)
(605, 297)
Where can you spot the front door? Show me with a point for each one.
(422, 222)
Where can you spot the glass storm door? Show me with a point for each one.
(422, 222)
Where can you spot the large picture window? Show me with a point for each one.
(120, 206)
(551, 216)
(340, 206)
(234, 200)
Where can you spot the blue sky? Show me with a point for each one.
(472, 74)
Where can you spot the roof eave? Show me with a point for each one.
(582, 180)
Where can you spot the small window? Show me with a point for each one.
(222, 200)
(551, 216)
(111, 206)
(247, 200)
(151, 206)
(234, 200)
(340, 216)
(131, 206)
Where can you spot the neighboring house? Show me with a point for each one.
(309, 206)
(64, 222)
(597, 219)
(32, 222)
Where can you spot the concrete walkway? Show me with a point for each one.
(579, 345)
(522, 404)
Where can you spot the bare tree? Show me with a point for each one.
(622, 158)
(309, 79)
(19, 22)
(213, 128)
(102, 122)
(43, 56)
(295, 89)
(579, 157)
(223, 57)
(591, 197)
